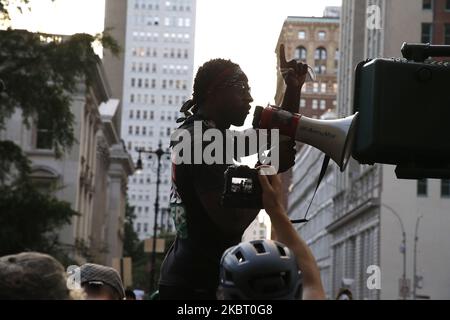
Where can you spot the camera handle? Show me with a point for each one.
(419, 52)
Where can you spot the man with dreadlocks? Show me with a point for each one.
(221, 98)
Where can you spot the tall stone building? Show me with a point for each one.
(314, 41)
(153, 77)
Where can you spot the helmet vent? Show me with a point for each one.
(282, 251)
(239, 257)
(259, 247)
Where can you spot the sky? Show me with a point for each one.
(245, 31)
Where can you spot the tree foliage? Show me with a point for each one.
(29, 218)
(39, 75)
(42, 77)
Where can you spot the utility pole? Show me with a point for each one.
(159, 153)
(416, 238)
(402, 248)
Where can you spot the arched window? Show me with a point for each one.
(300, 53)
(321, 53)
(320, 62)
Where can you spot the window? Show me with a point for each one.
(427, 4)
(315, 87)
(315, 104)
(138, 227)
(145, 227)
(447, 34)
(130, 130)
(44, 138)
(321, 35)
(168, 132)
(445, 188)
(320, 57)
(300, 53)
(166, 21)
(323, 104)
(131, 114)
(323, 87)
(427, 36)
(302, 103)
(132, 98)
(321, 54)
(302, 35)
(422, 187)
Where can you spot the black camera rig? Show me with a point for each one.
(404, 111)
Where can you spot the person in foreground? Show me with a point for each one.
(266, 269)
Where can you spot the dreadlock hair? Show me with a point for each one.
(209, 75)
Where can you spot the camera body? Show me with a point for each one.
(404, 113)
(242, 188)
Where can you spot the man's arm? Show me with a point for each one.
(294, 75)
(286, 234)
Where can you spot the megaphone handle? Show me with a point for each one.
(323, 171)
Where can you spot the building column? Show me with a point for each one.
(121, 166)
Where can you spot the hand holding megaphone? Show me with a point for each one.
(333, 137)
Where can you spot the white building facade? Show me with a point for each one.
(158, 76)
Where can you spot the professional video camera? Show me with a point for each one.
(404, 112)
(242, 188)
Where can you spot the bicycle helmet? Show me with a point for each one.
(260, 269)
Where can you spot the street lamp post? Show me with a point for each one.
(159, 153)
(403, 249)
(416, 238)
